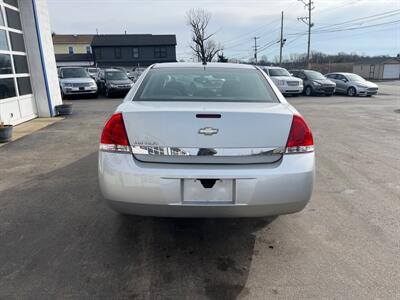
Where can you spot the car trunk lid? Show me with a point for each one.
(207, 132)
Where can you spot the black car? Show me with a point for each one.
(113, 82)
(314, 82)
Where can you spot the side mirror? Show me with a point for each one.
(344, 80)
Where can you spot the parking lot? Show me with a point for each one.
(59, 240)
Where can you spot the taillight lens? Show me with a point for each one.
(114, 137)
(300, 137)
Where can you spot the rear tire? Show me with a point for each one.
(107, 93)
(308, 91)
(62, 94)
(351, 92)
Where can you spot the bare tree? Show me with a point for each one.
(202, 45)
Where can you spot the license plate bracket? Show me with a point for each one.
(222, 192)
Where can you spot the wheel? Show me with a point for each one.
(308, 91)
(351, 92)
(62, 94)
(107, 93)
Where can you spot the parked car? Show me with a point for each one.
(238, 149)
(76, 81)
(135, 74)
(285, 82)
(93, 72)
(113, 82)
(315, 83)
(128, 73)
(352, 84)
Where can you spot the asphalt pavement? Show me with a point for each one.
(58, 239)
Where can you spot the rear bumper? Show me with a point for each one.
(151, 189)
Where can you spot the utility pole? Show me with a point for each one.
(307, 20)
(282, 41)
(255, 48)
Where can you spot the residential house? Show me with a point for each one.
(73, 49)
(133, 50)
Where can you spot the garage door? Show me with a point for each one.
(391, 71)
(17, 103)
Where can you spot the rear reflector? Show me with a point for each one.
(300, 137)
(114, 137)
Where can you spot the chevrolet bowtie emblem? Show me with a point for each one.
(208, 131)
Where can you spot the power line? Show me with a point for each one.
(330, 27)
(369, 18)
(239, 37)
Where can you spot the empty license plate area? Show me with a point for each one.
(208, 191)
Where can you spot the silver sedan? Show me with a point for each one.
(215, 140)
(352, 84)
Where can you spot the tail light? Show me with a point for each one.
(300, 137)
(114, 137)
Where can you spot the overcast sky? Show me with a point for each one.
(237, 22)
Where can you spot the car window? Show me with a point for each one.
(331, 76)
(299, 75)
(340, 77)
(74, 73)
(355, 77)
(205, 84)
(116, 75)
(278, 72)
(314, 75)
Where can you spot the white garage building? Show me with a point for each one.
(28, 75)
(378, 68)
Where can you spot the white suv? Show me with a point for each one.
(76, 81)
(285, 82)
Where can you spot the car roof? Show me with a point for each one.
(112, 70)
(271, 67)
(71, 68)
(200, 65)
(341, 73)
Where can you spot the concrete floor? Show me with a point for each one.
(59, 240)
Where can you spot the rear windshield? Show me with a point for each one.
(205, 84)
